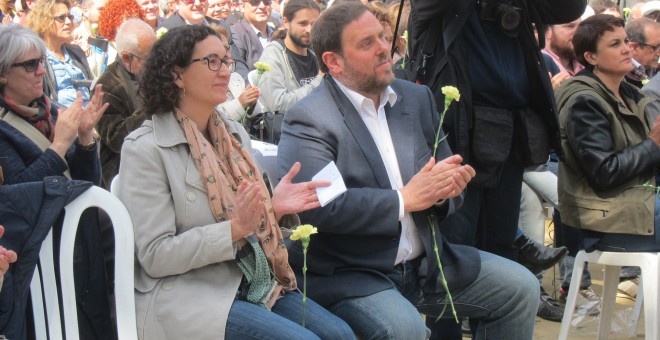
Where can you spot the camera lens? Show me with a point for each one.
(509, 17)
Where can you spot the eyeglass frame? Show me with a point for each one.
(26, 64)
(255, 3)
(62, 18)
(229, 62)
(655, 48)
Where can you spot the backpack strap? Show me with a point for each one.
(28, 130)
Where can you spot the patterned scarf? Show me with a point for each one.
(223, 164)
(37, 113)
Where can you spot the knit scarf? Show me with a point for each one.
(37, 113)
(223, 163)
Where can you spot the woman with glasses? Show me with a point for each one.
(211, 260)
(67, 69)
(34, 146)
(611, 144)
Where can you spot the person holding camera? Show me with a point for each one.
(506, 118)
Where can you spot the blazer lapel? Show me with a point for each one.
(403, 137)
(361, 134)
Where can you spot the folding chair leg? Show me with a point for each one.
(574, 290)
(611, 280)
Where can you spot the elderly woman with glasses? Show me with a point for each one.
(67, 69)
(32, 144)
(611, 142)
(211, 261)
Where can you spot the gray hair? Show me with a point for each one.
(15, 42)
(129, 33)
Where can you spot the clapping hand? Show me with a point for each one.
(292, 198)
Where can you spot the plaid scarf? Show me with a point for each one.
(37, 113)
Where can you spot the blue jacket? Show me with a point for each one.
(23, 161)
(28, 211)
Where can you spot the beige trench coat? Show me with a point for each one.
(185, 274)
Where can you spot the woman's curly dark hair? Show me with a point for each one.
(169, 54)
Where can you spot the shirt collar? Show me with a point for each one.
(387, 96)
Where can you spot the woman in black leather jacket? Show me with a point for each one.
(610, 143)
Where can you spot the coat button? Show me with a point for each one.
(167, 286)
(649, 231)
(190, 196)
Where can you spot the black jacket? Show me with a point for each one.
(447, 66)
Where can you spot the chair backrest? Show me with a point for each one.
(252, 77)
(266, 156)
(43, 290)
(124, 280)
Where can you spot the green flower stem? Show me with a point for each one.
(437, 133)
(442, 272)
(305, 244)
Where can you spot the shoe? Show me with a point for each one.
(549, 309)
(629, 287)
(588, 302)
(537, 257)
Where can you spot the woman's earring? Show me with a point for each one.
(3, 81)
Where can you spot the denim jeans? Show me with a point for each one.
(249, 321)
(538, 187)
(503, 298)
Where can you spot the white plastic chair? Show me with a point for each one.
(266, 156)
(124, 284)
(43, 289)
(647, 293)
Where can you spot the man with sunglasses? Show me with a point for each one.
(251, 35)
(134, 41)
(193, 12)
(644, 43)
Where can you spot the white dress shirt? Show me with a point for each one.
(410, 244)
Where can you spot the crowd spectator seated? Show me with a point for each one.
(134, 40)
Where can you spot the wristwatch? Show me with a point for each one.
(88, 147)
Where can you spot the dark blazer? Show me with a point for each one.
(359, 231)
(247, 44)
(121, 118)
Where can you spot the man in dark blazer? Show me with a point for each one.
(251, 34)
(373, 261)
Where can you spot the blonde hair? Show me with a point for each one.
(40, 19)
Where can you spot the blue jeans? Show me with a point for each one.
(249, 321)
(503, 298)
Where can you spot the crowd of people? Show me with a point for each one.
(555, 103)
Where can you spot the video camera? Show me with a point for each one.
(503, 12)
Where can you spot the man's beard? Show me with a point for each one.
(297, 40)
(565, 52)
(364, 83)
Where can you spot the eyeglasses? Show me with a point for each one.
(30, 65)
(255, 3)
(136, 56)
(655, 48)
(214, 63)
(63, 17)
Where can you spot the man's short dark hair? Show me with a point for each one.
(589, 32)
(327, 30)
(293, 6)
(636, 29)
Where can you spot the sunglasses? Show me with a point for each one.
(30, 65)
(63, 17)
(255, 3)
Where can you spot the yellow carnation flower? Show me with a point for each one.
(303, 232)
(451, 92)
(161, 32)
(261, 66)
